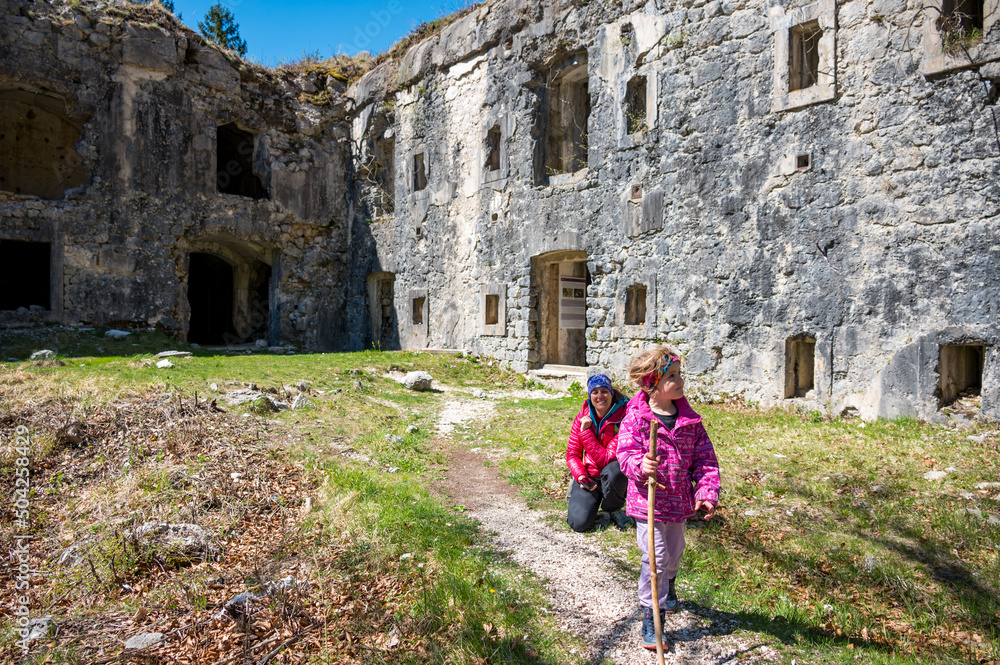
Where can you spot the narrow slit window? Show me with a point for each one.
(800, 353)
(492, 310)
(418, 311)
(493, 149)
(419, 172)
(803, 55)
(960, 368)
(635, 105)
(635, 305)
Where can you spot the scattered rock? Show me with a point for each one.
(44, 354)
(871, 563)
(977, 439)
(164, 364)
(171, 354)
(261, 344)
(262, 403)
(479, 393)
(935, 475)
(144, 641)
(987, 486)
(418, 380)
(410, 429)
(394, 438)
(969, 512)
(177, 543)
(302, 386)
(876, 489)
(214, 386)
(116, 334)
(358, 385)
(39, 629)
(300, 402)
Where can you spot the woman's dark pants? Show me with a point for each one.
(609, 495)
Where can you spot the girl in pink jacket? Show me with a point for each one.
(593, 441)
(685, 466)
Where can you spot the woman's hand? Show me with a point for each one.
(707, 506)
(585, 422)
(587, 483)
(650, 464)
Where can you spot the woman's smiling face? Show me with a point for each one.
(601, 399)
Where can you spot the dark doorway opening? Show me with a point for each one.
(234, 163)
(960, 368)
(259, 296)
(25, 274)
(210, 294)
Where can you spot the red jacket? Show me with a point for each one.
(587, 453)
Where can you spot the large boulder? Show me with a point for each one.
(417, 380)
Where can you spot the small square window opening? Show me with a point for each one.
(803, 161)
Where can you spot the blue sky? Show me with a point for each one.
(278, 32)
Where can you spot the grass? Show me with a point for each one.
(829, 538)
(829, 545)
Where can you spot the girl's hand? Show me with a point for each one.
(585, 422)
(708, 506)
(650, 464)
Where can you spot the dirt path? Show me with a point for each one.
(590, 597)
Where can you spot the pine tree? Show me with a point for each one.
(220, 27)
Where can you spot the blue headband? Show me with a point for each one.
(599, 381)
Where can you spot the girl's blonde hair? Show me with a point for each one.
(648, 362)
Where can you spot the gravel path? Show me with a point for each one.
(588, 598)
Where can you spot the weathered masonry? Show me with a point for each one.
(801, 196)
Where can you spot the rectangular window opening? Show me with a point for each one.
(234, 163)
(418, 311)
(635, 305)
(25, 275)
(419, 172)
(492, 310)
(803, 55)
(493, 149)
(802, 162)
(635, 105)
(567, 140)
(960, 24)
(800, 354)
(960, 368)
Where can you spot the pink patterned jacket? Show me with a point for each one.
(689, 470)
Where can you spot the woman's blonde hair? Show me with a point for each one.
(648, 362)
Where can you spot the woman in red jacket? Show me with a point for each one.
(598, 482)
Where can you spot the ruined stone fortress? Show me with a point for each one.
(801, 195)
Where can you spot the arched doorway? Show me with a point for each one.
(560, 279)
(210, 295)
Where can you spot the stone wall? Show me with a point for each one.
(804, 193)
(142, 100)
(855, 217)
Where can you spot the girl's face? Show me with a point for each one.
(671, 385)
(601, 399)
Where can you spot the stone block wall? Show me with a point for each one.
(859, 212)
(144, 100)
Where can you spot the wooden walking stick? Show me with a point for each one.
(651, 542)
